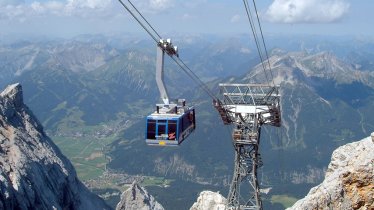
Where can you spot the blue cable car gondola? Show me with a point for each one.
(171, 123)
(170, 129)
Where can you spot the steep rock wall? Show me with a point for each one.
(209, 200)
(349, 180)
(34, 174)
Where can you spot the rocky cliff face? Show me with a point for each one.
(348, 182)
(34, 174)
(209, 200)
(137, 198)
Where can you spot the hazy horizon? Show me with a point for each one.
(69, 18)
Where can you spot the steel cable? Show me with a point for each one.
(249, 15)
(177, 60)
(137, 19)
(256, 37)
(263, 42)
(144, 19)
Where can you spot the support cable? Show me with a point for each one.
(193, 76)
(263, 42)
(249, 15)
(144, 19)
(156, 37)
(137, 19)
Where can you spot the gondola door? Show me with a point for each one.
(161, 130)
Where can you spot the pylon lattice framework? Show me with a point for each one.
(247, 107)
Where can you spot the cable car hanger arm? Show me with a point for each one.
(162, 47)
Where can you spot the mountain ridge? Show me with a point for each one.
(297, 66)
(136, 197)
(34, 172)
(314, 108)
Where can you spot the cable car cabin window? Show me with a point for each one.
(192, 118)
(151, 129)
(161, 129)
(172, 128)
(186, 121)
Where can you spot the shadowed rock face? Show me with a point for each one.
(137, 198)
(348, 182)
(209, 200)
(34, 174)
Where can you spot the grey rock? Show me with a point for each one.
(137, 198)
(349, 180)
(209, 200)
(34, 174)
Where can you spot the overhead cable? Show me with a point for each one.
(256, 38)
(193, 76)
(263, 42)
(249, 15)
(140, 22)
(156, 37)
(144, 19)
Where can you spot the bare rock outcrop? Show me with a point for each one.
(209, 200)
(349, 180)
(34, 174)
(137, 198)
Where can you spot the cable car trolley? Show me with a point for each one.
(171, 123)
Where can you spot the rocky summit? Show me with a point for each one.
(34, 174)
(348, 182)
(137, 198)
(208, 200)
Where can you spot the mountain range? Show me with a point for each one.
(96, 91)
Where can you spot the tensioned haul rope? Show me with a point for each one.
(177, 60)
(256, 38)
(137, 19)
(253, 29)
(144, 19)
(263, 41)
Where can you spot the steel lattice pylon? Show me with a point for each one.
(248, 107)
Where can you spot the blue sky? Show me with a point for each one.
(66, 18)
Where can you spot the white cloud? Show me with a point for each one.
(11, 2)
(89, 8)
(193, 3)
(90, 4)
(188, 16)
(160, 5)
(306, 11)
(235, 18)
(19, 10)
(51, 7)
(12, 11)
